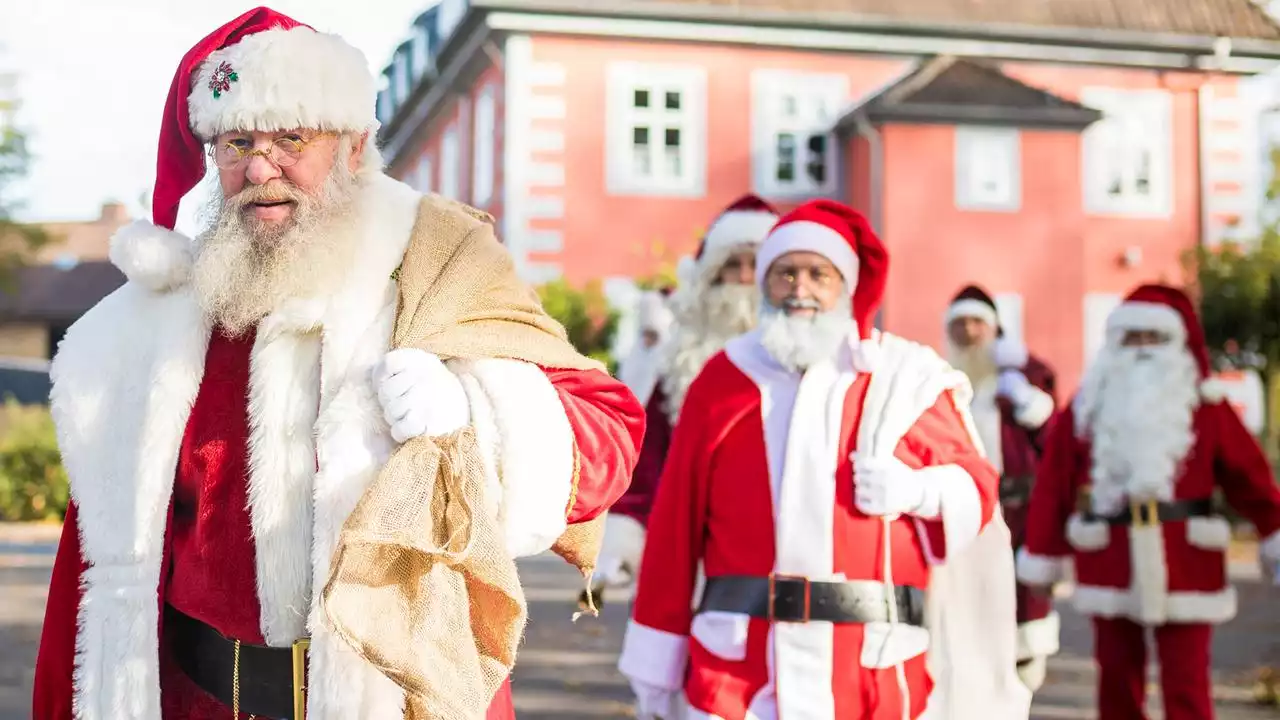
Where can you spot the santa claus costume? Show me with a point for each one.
(707, 313)
(211, 475)
(1126, 489)
(1013, 399)
(814, 609)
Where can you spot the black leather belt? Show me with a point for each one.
(272, 680)
(1153, 512)
(791, 599)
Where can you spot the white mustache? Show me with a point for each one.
(800, 304)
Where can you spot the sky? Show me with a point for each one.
(93, 75)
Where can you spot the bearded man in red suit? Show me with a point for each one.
(717, 299)
(221, 415)
(1013, 398)
(827, 478)
(1127, 490)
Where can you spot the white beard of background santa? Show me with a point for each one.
(1127, 491)
(821, 472)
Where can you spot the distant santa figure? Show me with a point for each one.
(1126, 489)
(717, 299)
(1013, 399)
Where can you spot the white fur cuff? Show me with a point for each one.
(1039, 638)
(1036, 408)
(1040, 570)
(654, 657)
(1269, 548)
(151, 256)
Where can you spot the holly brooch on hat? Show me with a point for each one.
(223, 76)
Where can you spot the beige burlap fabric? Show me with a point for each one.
(421, 585)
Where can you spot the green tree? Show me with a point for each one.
(33, 483)
(17, 240)
(586, 316)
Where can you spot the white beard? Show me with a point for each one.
(702, 329)
(977, 362)
(639, 371)
(1138, 414)
(244, 271)
(799, 343)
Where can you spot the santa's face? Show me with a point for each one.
(1138, 401)
(247, 266)
(970, 345)
(965, 332)
(269, 171)
(738, 269)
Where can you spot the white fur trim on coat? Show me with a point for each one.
(1040, 638)
(151, 256)
(533, 449)
(654, 657)
(1087, 535)
(1177, 607)
(1036, 410)
(1209, 533)
(1040, 570)
(285, 80)
(1214, 390)
(806, 236)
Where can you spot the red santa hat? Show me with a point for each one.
(843, 236)
(262, 71)
(974, 302)
(1163, 309)
(744, 223)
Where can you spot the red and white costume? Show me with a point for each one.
(1140, 569)
(761, 481)
(214, 474)
(695, 335)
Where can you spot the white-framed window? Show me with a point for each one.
(450, 166)
(423, 175)
(421, 48)
(401, 79)
(988, 168)
(656, 118)
(1128, 154)
(793, 147)
(482, 154)
(448, 14)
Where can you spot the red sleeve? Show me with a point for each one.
(56, 661)
(1053, 496)
(608, 427)
(940, 438)
(1242, 471)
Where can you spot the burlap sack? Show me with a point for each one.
(421, 585)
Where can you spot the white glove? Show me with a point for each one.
(886, 486)
(1015, 386)
(653, 702)
(419, 395)
(1009, 354)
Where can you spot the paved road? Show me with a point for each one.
(566, 669)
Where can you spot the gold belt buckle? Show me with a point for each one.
(1144, 514)
(300, 649)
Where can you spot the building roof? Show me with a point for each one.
(57, 294)
(1213, 18)
(955, 90)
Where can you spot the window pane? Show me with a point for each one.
(786, 158)
(788, 106)
(671, 157)
(1142, 177)
(817, 164)
(673, 137)
(673, 101)
(640, 136)
(641, 99)
(641, 163)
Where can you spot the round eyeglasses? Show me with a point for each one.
(284, 151)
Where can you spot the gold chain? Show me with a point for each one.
(235, 686)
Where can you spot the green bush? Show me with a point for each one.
(33, 483)
(585, 315)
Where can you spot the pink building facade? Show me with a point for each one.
(1059, 166)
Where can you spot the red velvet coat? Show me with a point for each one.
(215, 475)
(728, 499)
(637, 501)
(1173, 572)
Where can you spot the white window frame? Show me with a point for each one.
(986, 153)
(484, 143)
(401, 78)
(450, 162)
(423, 174)
(1130, 118)
(622, 118)
(800, 105)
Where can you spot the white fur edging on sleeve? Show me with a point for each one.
(1040, 638)
(654, 657)
(156, 258)
(961, 506)
(1037, 410)
(1270, 547)
(1040, 570)
(526, 436)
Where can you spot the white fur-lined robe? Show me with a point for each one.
(125, 378)
(760, 482)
